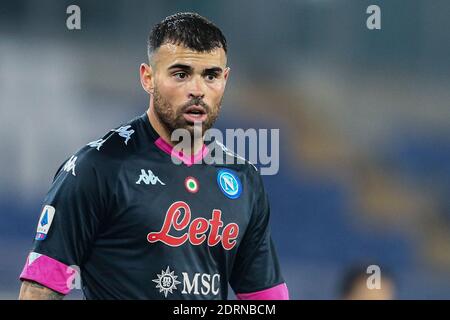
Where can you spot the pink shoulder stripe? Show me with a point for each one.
(279, 292)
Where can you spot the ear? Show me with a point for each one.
(226, 72)
(147, 77)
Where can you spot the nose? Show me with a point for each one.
(195, 90)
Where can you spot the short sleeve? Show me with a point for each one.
(256, 267)
(70, 218)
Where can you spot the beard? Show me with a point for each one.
(172, 117)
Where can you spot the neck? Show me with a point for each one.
(166, 135)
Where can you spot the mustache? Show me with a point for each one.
(193, 102)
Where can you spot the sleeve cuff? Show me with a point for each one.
(279, 292)
(48, 272)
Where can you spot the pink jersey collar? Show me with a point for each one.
(187, 160)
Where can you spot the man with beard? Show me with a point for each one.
(140, 226)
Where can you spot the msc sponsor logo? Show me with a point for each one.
(196, 284)
(202, 283)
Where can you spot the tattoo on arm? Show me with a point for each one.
(34, 291)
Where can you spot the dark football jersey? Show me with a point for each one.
(139, 226)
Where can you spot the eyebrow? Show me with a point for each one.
(189, 68)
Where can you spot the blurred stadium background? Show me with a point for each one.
(364, 120)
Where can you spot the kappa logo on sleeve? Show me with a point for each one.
(69, 166)
(97, 144)
(45, 221)
(125, 132)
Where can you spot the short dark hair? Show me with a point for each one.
(188, 29)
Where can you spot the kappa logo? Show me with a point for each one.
(198, 284)
(96, 144)
(149, 178)
(70, 165)
(124, 132)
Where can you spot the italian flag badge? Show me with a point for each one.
(191, 184)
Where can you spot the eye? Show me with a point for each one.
(180, 75)
(211, 77)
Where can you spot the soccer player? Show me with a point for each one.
(140, 226)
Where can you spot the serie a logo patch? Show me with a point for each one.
(45, 221)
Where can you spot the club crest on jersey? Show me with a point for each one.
(178, 218)
(229, 183)
(45, 222)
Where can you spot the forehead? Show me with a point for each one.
(169, 54)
